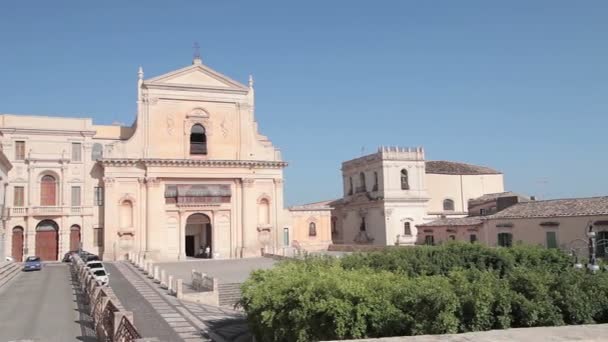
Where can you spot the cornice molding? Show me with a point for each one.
(38, 131)
(258, 164)
(190, 87)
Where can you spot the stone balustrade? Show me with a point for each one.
(111, 322)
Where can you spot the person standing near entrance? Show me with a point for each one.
(207, 252)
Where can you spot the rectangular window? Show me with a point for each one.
(76, 152)
(19, 198)
(98, 237)
(551, 240)
(76, 196)
(19, 150)
(505, 239)
(482, 212)
(429, 240)
(98, 196)
(473, 238)
(285, 236)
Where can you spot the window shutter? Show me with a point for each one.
(551, 240)
(76, 152)
(19, 150)
(76, 196)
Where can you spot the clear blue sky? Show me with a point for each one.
(521, 86)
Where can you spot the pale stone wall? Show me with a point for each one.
(530, 231)
(301, 220)
(5, 167)
(460, 189)
(48, 151)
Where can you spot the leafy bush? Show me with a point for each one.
(431, 260)
(426, 290)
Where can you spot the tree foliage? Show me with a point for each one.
(426, 290)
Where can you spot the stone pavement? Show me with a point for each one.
(189, 321)
(44, 306)
(587, 333)
(227, 271)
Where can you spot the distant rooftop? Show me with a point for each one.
(455, 168)
(461, 221)
(323, 205)
(556, 208)
(494, 196)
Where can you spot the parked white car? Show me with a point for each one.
(95, 264)
(101, 276)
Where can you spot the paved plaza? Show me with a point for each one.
(586, 333)
(227, 271)
(158, 314)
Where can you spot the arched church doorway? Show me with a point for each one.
(198, 236)
(74, 237)
(17, 243)
(47, 240)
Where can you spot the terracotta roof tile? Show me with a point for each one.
(461, 221)
(556, 208)
(495, 196)
(455, 168)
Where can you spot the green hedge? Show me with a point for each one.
(428, 290)
(431, 260)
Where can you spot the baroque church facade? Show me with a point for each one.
(192, 172)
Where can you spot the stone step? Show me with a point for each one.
(9, 273)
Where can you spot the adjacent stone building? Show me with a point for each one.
(557, 223)
(389, 193)
(5, 167)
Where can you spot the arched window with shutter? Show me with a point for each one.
(198, 140)
(404, 180)
(48, 191)
(407, 229)
(448, 205)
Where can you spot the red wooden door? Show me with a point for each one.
(47, 244)
(48, 191)
(17, 243)
(74, 238)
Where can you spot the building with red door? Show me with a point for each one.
(191, 174)
(5, 167)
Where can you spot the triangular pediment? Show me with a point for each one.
(197, 75)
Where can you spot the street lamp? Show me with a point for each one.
(577, 264)
(592, 266)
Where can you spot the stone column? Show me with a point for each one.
(152, 184)
(181, 229)
(63, 187)
(30, 185)
(235, 220)
(141, 232)
(278, 208)
(110, 218)
(248, 228)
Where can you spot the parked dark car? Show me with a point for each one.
(90, 257)
(32, 263)
(68, 256)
